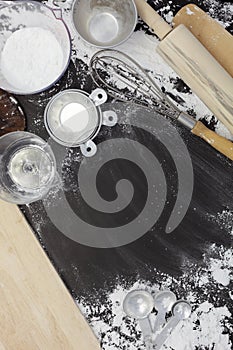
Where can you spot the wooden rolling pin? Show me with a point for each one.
(217, 40)
(36, 309)
(193, 63)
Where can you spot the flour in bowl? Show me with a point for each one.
(32, 59)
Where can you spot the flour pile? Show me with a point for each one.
(32, 59)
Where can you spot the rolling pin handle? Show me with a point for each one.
(160, 27)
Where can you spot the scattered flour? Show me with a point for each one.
(189, 12)
(209, 326)
(223, 131)
(203, 329)
(221, 276)
(145, 54)
(32, 59)
(224, 220)
(169, 17)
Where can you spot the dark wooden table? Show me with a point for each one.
(177, 261)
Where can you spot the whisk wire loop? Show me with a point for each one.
(127, 81)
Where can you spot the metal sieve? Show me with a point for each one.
(73, 118)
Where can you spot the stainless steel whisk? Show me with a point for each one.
(125, 80)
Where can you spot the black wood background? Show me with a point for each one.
(87, 270)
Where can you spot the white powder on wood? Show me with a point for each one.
(189, 12)
(32, 59)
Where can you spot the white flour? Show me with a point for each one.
(206, 286)
(224, 220)
(189, 12)
(142, 48)
(32, 59)
(207, 325)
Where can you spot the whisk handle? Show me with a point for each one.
(216, 141)
(152, 19)
(187, 120)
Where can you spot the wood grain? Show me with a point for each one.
(160, 27)
(36, 310)
(217, 40)
(193, 63)
(197, 67)
(216, 141)
(12, 117)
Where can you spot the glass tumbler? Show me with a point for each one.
(27, 167)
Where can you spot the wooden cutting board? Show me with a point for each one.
(36, 310)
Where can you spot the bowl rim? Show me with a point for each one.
(111, 45)
(70, 47)
(51, 133)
